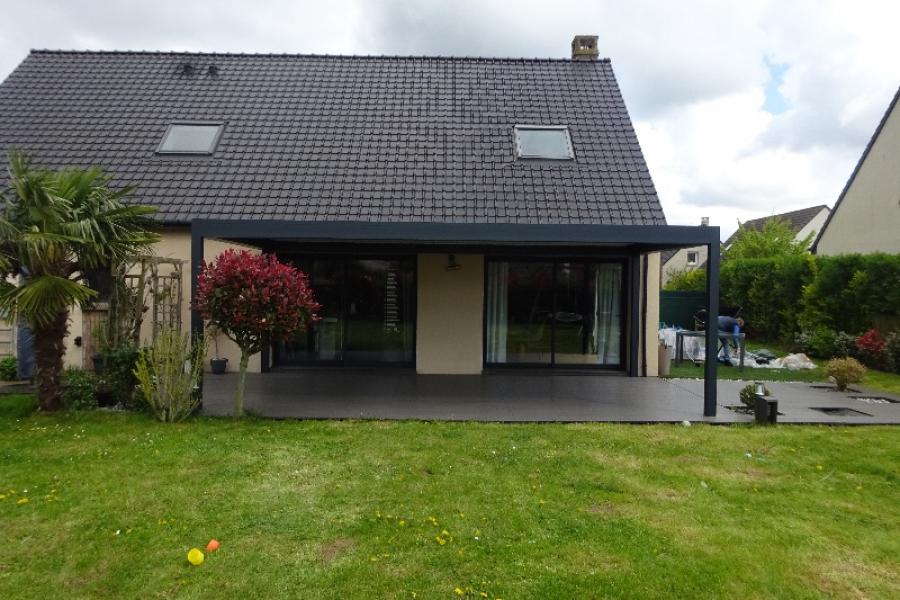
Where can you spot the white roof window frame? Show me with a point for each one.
(521, 154)
(209, 152)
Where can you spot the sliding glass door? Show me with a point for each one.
(367, 314)
(554, 313)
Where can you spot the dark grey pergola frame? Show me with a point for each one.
(437, 237)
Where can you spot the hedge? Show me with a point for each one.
(769, 292)
(850, 291)
(782, 296)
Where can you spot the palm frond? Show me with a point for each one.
(42, 298)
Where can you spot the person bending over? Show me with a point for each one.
(733, 326)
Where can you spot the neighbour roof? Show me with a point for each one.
(796, 220)
(856, 169)
(338, 138)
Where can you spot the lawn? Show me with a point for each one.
(369, 509)
(876, 380)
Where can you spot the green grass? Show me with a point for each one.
(876, 380)
(356, 509)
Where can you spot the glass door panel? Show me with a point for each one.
(321, 342)
(564, 313)
(605, 298)
(588, 314)
(520, 304)
(570, 318)
(380, 307)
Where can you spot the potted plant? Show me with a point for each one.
(217, 364)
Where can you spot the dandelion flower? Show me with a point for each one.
(458, 592)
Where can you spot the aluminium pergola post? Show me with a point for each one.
(712, 330)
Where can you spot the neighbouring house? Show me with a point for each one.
(454, 214)
(805, 223)
(866, 216)
(678, 260)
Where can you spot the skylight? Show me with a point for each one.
(191, 138)
(541, 141)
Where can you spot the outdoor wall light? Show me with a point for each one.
(452, 265)
(760, 388)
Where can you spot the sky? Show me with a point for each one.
(743, 109)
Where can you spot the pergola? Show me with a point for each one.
(632, 241)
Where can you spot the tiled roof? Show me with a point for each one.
(351, 138)
(796, 220)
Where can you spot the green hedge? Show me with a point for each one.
(782, 296)
(769, 292)
(850, 291)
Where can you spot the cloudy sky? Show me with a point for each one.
(744, 109)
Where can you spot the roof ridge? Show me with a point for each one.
(314, 55)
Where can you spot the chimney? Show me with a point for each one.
(584, 47)
(704, 221)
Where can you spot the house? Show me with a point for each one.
(866, 216)
(805, 223)
(682, 259)
(454, 214)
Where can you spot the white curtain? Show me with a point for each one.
(497, 315)
(607, 334)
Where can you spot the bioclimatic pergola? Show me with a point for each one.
(633, 240)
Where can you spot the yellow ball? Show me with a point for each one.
(195, 557)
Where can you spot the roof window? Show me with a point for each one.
(191, 138)
(544, 141)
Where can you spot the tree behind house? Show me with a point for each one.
(775, 238)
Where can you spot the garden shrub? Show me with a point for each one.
(78, 390)
(844, 345)
(9, 368)
(844, 371)
(820, 342)
(748, 395)
(870, 348)
(892, 351)
(118, 373)
(169, 373)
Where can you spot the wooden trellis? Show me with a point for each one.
(147, 284)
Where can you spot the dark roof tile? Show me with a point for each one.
(338, 137)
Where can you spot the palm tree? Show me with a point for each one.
(55, 226)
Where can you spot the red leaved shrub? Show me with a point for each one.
(254, 299)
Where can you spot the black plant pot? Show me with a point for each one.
(218, 365)
(105, 398)
(98, 363)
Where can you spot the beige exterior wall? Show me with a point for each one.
(450, 309)
(175, 243)
(868, 218)
(449, 314)
(652, 330)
